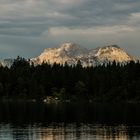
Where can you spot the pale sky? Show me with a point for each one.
(27, 27)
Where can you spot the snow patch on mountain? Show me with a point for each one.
(6, 62)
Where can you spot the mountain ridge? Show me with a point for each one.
(71, 53)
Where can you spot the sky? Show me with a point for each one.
(27, 27)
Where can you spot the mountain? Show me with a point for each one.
(6, 62)
(71, 53)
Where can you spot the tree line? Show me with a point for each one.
(111, 82)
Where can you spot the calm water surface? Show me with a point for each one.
(67, 121)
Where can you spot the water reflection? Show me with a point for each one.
(68, 132)
(38, 121)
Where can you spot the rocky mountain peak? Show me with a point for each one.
(72, 53)
(113, 52)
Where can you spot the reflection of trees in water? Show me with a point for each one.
(66, 121)
(70, 113)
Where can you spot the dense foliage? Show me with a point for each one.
(113, 82)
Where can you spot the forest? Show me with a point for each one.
(111, 82)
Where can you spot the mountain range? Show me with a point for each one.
(72, 53)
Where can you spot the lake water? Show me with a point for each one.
(67, 121)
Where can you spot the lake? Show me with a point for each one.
(69, 121)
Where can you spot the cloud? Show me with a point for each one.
(134, 19)
(57, 31)
(48, 22)
(54, 13)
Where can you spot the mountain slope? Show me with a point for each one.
(71, 53)
(112, 53)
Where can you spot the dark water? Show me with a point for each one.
(67, 121)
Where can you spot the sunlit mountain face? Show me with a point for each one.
(72, 53)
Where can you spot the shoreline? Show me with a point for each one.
(52, 100)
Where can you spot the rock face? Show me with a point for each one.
(71, 53)
(112, 53)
